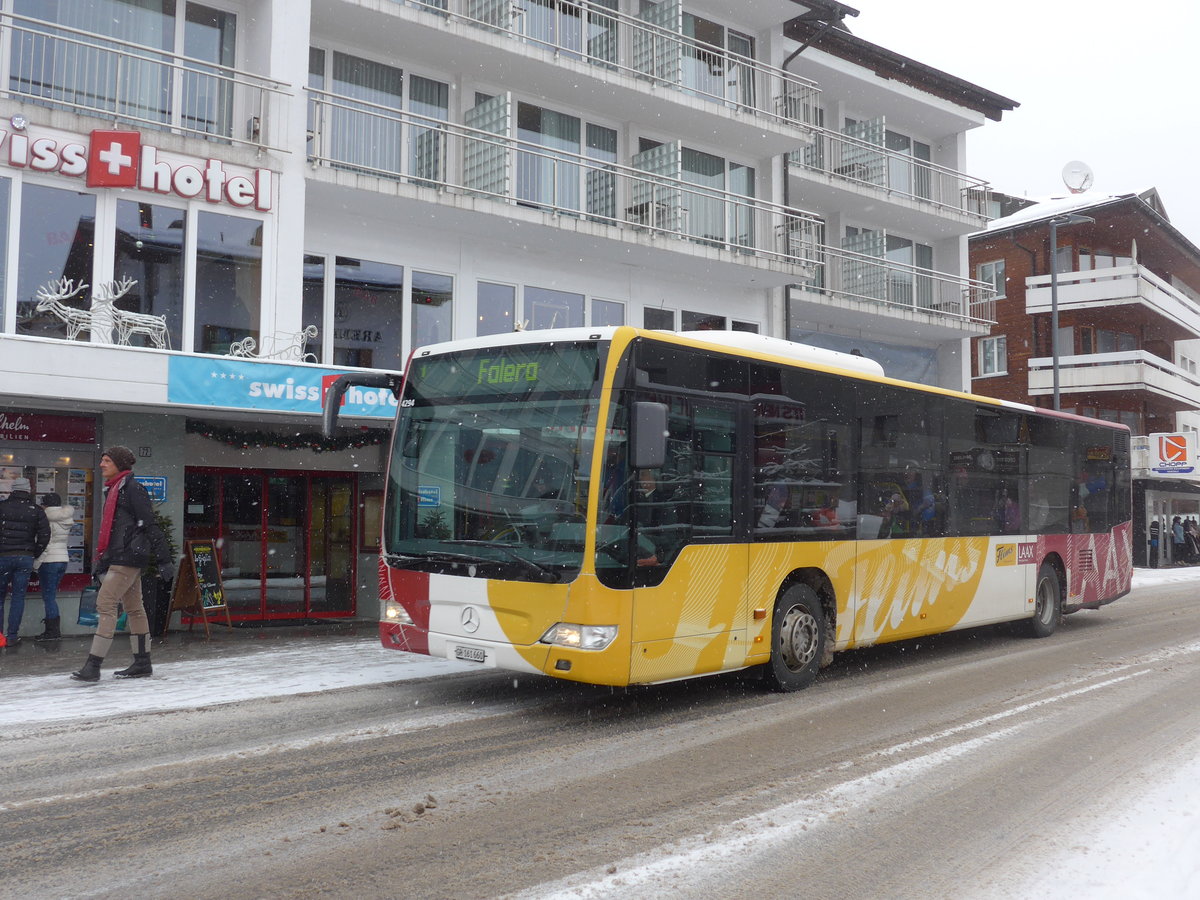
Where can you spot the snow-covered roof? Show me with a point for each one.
(1050, 207)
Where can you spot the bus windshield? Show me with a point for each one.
(489, 471)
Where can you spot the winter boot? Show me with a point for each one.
(51, 633)
(141, 660)
(90, 670)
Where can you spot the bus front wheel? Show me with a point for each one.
(797, 639)
(1047, 610)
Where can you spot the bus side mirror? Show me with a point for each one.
(649, 435)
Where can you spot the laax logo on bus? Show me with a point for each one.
(119, 159)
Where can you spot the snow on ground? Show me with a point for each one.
(195, 683)
(1149, 849)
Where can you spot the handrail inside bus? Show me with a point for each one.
(333, 397)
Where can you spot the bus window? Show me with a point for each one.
(903, 481)
(986, 483)
(1051, 475)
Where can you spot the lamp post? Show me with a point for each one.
(1067, 219)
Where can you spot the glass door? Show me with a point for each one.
(241, 546)
(287, 503)
(331, 546)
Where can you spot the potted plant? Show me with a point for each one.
(156, 592)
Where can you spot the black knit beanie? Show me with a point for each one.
(122, 458)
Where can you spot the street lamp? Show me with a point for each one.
(1067, 219)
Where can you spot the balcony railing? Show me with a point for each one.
(364, 137)
(57, 66)
(589, 31)
(855, 160)
(842, 273)
(1129, 370)
(1115, 286)
(358, 136)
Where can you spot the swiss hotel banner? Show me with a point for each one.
(276, 387)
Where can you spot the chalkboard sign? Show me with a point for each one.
(198, 588)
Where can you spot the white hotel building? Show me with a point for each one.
(388, 173)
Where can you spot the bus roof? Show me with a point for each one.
(739, 342)
(728, 340)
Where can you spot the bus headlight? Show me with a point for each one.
(395, 614)
(580, 637)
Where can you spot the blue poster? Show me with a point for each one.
(279, 387)
(155, 485)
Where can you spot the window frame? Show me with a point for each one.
(993, 347)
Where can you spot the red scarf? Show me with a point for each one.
(112, 489)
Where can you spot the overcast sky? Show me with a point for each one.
(1113, 84)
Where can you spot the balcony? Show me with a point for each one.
(467, 167)
(947, 304)
(1131, 370)
(1117, 286)
(629, 64)
(63, 68)
(876, 171)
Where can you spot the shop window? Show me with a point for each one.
(494, 305)
(149, 251)
(57, 241)
(432, 307)
(228, 281)
(368, 318)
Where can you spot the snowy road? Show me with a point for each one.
(992, 755)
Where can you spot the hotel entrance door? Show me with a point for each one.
(285, 540)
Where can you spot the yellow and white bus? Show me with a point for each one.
(620, 506)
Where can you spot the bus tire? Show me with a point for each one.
(797, 639)
(1047, 609)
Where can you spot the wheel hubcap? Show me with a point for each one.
(797, 638)
(1045, 601)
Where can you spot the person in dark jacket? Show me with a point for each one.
(128, 538)
(24, 534)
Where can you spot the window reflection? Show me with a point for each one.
(57, 241)
(149, 251)
(494, 308)
(313, 312)
(545, 308)
(5, 192)
(368, 314)
(228, 281)
(432, 302)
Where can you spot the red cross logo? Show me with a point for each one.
(113, 159)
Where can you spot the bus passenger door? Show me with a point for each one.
(689, 578)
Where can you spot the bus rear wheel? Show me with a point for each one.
(797, 639)
(1047, 610)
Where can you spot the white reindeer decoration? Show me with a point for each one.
(50, 297)
(297, 348)
(127, 323)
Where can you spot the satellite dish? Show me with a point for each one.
(1077, 176)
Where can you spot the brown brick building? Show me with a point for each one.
(1128, 299)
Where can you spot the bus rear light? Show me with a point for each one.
(580, 637)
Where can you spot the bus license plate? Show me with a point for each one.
(470, 654)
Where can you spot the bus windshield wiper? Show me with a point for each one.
(405, 560)
(529, 565)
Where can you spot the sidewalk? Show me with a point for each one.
(68, 653)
